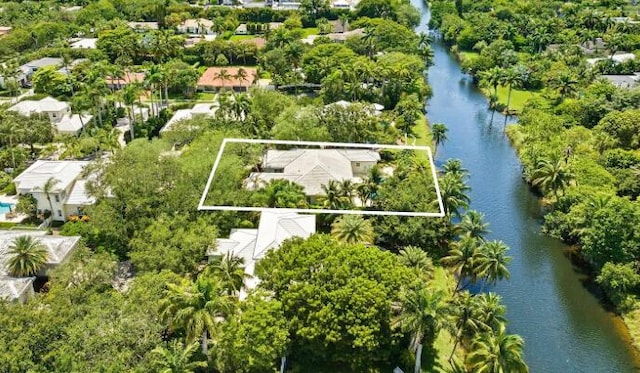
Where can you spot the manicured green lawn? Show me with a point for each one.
(243, 37)
(422, 135)
(442, 280)
(518, 97)
(310, 31)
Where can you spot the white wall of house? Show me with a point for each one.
(57, 201)
(362, 168)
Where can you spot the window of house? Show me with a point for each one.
(357, 164)
(59, 213)
(57, 198)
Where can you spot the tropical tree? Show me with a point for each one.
(229, 269)
(492, 77)
(454, 167)
(493, 266)
(438, 135)
(497, 352)
(417, 259)
(512, 78)
(352, 229)
(241, 75)
(454, 194)
(27, 255)
(565, 84)
(333, 197)
(47, 189)
(422, 313)
(176, 358)
(552, 174)
(491, 312)
(224, 76)
(465, 259)
(196, 307)
(467, 319)
(474, 225)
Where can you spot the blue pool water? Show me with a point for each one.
(6, 207)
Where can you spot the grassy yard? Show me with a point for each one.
(442, 280)
(518, 97)
(422, 135)
(243, 37)
(310, 31)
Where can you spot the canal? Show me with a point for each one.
(564, 326)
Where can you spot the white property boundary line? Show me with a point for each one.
(203, 207)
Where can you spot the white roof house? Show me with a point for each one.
(253, 244)
(59, 113)
(196, 26)
(205, 110)
(68, 195)
(313, 168)
(85, 43)
(623, 81)
(58, 248)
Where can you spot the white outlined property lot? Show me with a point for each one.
(203, 207)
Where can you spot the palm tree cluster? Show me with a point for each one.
(27, 256)
(197, 309)
(475, 322)
(552, 175)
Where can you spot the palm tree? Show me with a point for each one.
(474, 225)
(352, 229)
(197, 307)
(454, 194)
(493, 77)
(47, 189)
(551, 174)
(27, 256)
(491, 312)
(13, 129)
(467, 319)
(415, 258)
(177, 358)
(513, 79)
(229, 269)
(565, 84)
(454, 167)
(223, 75)
(347, 189)
(498, 352)
(438, 135)
(422, 314)
(333, 198)
(241, 75)
(464, 258)
(494, 262)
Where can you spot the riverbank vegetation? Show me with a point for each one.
(578, 139)
(142, 293)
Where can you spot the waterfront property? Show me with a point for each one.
(59, 249)
(313, 168)
(252, 244)
(67, 196)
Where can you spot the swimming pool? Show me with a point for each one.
(6, 207)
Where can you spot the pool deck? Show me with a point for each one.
(13, 200)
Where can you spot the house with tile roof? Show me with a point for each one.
(59, 249)
(313, 168)
(253, 244)
(212, 79)
(69, 195)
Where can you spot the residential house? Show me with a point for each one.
(253, 244)
(313, 168)
(67, 69)
(623, 81)
(59, 249)
(68, 196)
(374, 109)
(339, 37)
(287, 5)
(200, 26)
(128, 78)
(84, 43)
(27, 70)
(143, 26)
(198, 110)
(58, 112)
(242, 29)
(211, 79)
